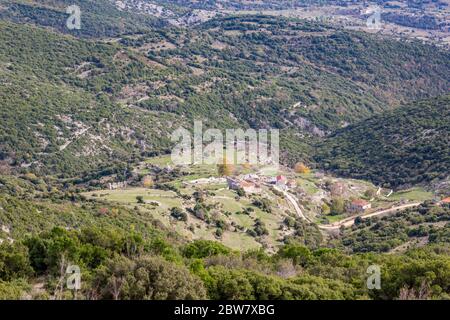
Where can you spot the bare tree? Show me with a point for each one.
(423, 293)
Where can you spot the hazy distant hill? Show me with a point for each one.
(100, 18)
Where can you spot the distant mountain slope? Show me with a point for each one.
(56, 110)
(71, 104)
(409, 145)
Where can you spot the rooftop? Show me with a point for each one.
(246, 184)
(360, 202)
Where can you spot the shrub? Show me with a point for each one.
(140, 199)
(178, 214)
(204, 248)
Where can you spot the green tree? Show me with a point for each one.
(199, 249)
(13, 290)
(228, 284)
(14, 262)
(337, 206)
(178, 214)
(147, 278)
(326, 210)
(299, 254)
(140, 199)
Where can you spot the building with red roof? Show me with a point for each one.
(359, 205)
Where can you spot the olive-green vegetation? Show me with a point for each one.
(429, 223)
(118, 266)
(72, 106)
(399, 148)
(56, 120)
(125, 254)
(82, 108)
(99, 17)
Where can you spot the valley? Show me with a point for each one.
(214, 211)
(358, 178)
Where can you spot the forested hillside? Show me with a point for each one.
(85, 115)
(409, 145)
(71, 105)
(57, 107)
(100, 17)
(124, 255)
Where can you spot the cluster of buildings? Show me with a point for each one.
(252, 183)
(283, 183)
(117, 185)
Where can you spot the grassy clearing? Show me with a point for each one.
(230, 205)
(226, 193)
(415, 194)
(161, 161)
(333, 219)
(242, 220)
(239, 241)
(168, 199)
(226, 198)
(217, 187)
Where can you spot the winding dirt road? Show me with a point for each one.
(294, 203)
(347, 222)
